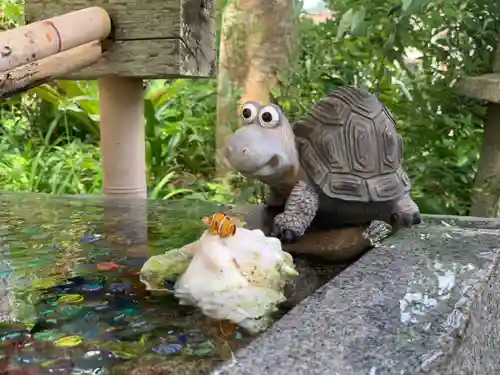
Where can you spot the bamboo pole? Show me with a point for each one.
(123, 154)
(38, 72)
(123, 159)
(51, 36)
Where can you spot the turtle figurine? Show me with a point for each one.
(340, 164)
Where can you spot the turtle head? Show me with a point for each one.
(264, 147)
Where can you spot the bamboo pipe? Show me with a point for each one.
(123, 155)
(51, 36)
(38, 72)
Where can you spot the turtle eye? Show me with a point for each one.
(248, 112)
(269, 116)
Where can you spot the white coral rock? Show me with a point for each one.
(238, 278)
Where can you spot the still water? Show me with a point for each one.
(70, 298)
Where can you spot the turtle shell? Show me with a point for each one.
(350, 149)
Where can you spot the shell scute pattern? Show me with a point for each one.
(349, 147)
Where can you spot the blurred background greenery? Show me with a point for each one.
(49, 135)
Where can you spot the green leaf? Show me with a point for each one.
(345, 23)
(358, 26)
(405, 4)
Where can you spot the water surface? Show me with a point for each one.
(63, 311)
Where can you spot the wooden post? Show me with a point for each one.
(123, 161)
(122, 137)
(486, 195)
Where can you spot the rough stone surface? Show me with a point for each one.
(423, 302)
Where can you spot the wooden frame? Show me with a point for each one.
(151, 38)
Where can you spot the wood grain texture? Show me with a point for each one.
(136, 58)
(484, 87)
(198, 34)
(145, 33)
(37, 72)
(133, 19)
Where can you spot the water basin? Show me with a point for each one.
(70, 298)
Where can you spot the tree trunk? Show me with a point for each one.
(487, 184)
(256, 40)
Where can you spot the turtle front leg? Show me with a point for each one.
(300, 210)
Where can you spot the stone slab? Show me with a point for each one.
(423, 302)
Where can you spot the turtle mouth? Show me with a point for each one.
(268, 168)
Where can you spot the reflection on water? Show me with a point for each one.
(70, 299)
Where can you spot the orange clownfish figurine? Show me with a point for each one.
(220, 224)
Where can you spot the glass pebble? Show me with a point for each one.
(28, 358)
(98, 354)
(193, 337)
(43, 283)
(134, 262)
(77, 280)
(92, 287)
(69, 341)
(71, 298)
(118, 354)
(12, 336)
(60, 365)
(86, 371)
(167, 349)
(119, 287)
(90, 238)
(11, 327)
(61, 288)
(68, 311)
(74, 328)
(96, 304)
(139, 324)
(49, 299)
(106, 266)
(48, 335)
(200, 350)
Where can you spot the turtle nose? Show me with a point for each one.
(243, 152)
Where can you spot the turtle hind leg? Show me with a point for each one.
(405, 213)
(300, 210)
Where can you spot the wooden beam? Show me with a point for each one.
(484, 87)
(149, 59)
(133, 19)
(153, 38)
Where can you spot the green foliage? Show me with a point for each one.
(367, 46)
(49, 137)
(11, 14)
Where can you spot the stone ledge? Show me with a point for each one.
(484, 87)
(406, 307)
